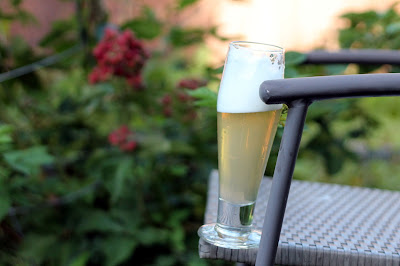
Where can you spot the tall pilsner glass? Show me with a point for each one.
(246, 129)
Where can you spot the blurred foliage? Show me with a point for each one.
(346, 141)
(62, 35)
(147, 26)
(14, 51)
(372, 30)
(71, 193)
(115, 173)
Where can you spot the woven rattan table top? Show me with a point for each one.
(325, 224)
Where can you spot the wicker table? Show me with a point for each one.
(324, 224)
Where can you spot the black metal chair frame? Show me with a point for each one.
(298, 94)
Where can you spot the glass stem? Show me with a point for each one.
(234, 220)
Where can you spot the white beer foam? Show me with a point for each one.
(244, 72)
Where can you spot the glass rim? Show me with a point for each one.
(272, 48)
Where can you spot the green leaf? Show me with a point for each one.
(5, 134)
(165, 260)
(6, 129)
(38, 247)
(219, 70)
(118, 248)
(4, 173)
(213, 32)
(5, 203)
(390, 15)
(184, 3)
(150, 235)
(182, 148)
(99, 221)
(80, 260)
(147, 26)
(5, 139)
(335, 69)
(5, 147)
(130, 219)
(177, 235)
(204, 97)
(183, 37)
(369, 18)
(179, 170)
(291, 72)
(216, 71)
(124, 171)
(393, 28)
(16, 2)
(196, 261)
(348, 36)
(25, 17)
(177, 238)
(177, 218)
(294, 58)
(60, 36)
(154, 143)
(28, 161)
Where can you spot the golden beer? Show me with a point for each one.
(246, 130)
(244, 145)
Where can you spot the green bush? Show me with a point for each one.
(104, 161)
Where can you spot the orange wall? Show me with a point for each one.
(294, 24)
(45, 12)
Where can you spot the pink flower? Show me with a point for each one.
(135, 81)
(119, 54)
(123, 138)
(128, 146)
(99, 73)
(166, 100)
(191, 84)
(184, 97)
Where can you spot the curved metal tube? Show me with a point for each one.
(281, 183)
(329, 87)
(355, 56)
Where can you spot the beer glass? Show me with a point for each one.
(246, 129)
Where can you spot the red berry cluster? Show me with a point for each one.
(166, 102)
(119, 54)
(123, 138)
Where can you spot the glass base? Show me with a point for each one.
(230, 237)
